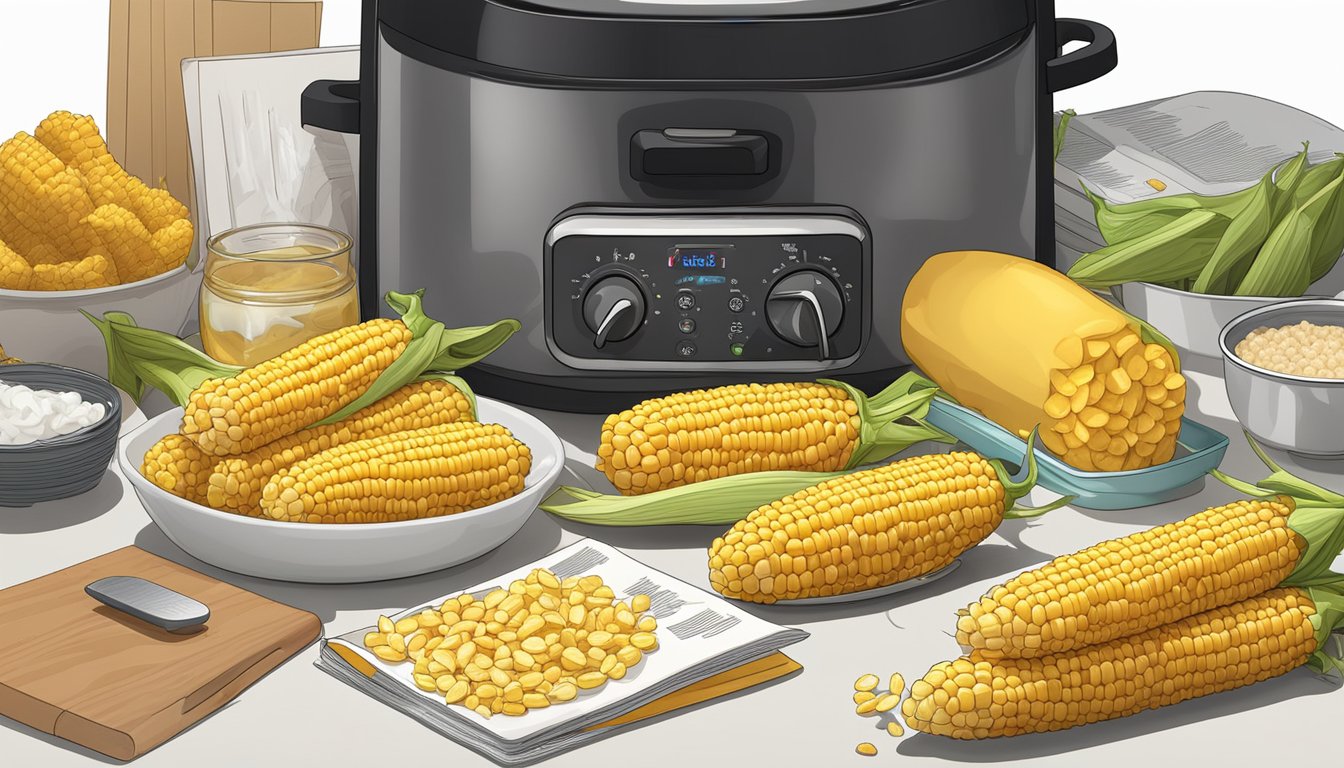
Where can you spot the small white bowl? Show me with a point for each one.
(46, 326)
(342, 554)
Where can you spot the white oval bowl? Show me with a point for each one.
(350, 553)
(46, 326)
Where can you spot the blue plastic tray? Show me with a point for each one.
(1198, 450)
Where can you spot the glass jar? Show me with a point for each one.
(269, 287)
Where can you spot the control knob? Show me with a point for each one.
(613, 308)
(805, 308)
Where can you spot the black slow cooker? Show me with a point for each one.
(680, 193)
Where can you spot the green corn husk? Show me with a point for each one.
(1241, 242)
(139, 357)
(1284, 265)
(893, 419)
(1318, 517)
(726, 500)
(1175, 251)
(1121, 222)
(1062, 129)
(1288, 178)
(1327, 239)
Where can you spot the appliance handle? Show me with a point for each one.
(1085, 64)
(331, 104)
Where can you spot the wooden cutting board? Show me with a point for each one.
(75, 668)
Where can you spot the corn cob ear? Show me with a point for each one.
(141, 356)
(893, 419)
(1318, 517)
(432, 348)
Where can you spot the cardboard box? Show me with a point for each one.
(148, 39)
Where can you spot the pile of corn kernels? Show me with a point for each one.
(872, 701)
(537, 643)
(1303, 349)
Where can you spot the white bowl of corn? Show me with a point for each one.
(47, 326)
(77, 232)
(344, 553)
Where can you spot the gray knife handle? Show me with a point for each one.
(149, 602)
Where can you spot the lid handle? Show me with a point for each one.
(1085, 64)
(699, 152)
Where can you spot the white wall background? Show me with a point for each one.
(53, 53)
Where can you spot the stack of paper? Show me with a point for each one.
(707, 647)
(1208, 142)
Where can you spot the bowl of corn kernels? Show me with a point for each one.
(1284, 369)
(77, 232)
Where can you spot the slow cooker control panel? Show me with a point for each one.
(768, 292)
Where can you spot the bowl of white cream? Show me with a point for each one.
(58, 432)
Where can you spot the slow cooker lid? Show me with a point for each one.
(706, 40)
(706, 8)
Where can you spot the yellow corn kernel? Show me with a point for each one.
(894, 728)
(866, 749)
(498, 674)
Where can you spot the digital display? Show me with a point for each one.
(699, 258)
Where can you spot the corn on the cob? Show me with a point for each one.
(76, 141)
(132, 246)
(45, 196)
(279, 397)
(867, 529)
(695, 436)
(16, 274)
(1104, 398)
(424, 473)
(235, 484)
(1221, 649)
(178, 466)
(96, 271)
(1137, 582)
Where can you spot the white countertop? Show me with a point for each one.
(301, 716)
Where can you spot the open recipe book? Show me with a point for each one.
(707, 648)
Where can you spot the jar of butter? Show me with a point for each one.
(269, 287)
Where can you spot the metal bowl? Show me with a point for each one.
(64, 466)
(1301, 414)
(1193, 320)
